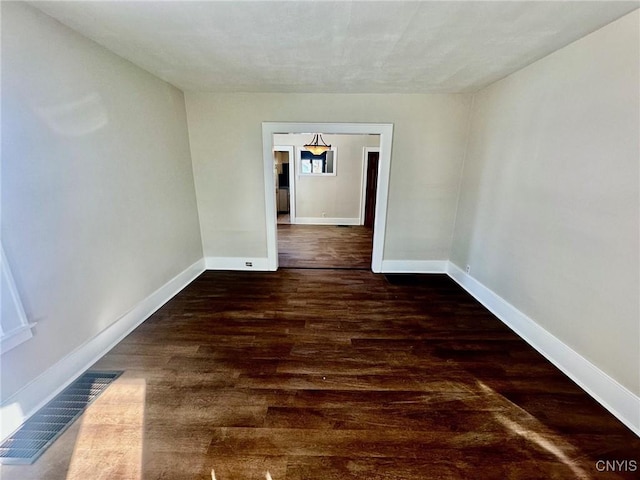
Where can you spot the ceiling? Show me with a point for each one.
(334, 47)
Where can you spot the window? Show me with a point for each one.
(14, 327)
(323, 164)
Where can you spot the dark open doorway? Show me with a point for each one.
(371, 188)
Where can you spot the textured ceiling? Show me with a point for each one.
(347, 46)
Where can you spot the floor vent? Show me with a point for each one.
(41, 430)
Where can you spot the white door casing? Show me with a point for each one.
(385, 130)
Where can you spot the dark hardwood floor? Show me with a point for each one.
(332, 375)
(324, 246)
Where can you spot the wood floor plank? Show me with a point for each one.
(324, 246)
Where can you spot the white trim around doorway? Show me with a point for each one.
(385, 130)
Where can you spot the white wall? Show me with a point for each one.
(548, 216)
(428, 147)
(98, 201)
(338, 196)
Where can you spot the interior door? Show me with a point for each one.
(372, 187)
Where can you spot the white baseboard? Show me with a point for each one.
(326, 221)
(414, 266)
(616, 398)
(237, 263)
(28, 400)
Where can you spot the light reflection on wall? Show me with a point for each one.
(75, 118)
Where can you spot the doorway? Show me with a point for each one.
(385, 133)
(370, 185)
(283, 164)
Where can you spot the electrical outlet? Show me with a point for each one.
(324, 214)
(468, 269)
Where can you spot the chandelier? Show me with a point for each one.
(315, 146)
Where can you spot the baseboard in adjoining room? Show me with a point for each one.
(616, 398)
(325, 221)
(28, 400)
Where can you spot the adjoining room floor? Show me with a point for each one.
(332, 375)
(324, 246)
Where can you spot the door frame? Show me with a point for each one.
(365, 165)
(385, 130)
(292, 177)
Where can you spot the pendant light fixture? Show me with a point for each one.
(315, 146)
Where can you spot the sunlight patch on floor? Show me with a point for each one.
(109, 444)
(11, 417)
(267, 476)
(522, 423)
(548, 444)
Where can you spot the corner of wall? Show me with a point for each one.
(462, 169)
(193, 172)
